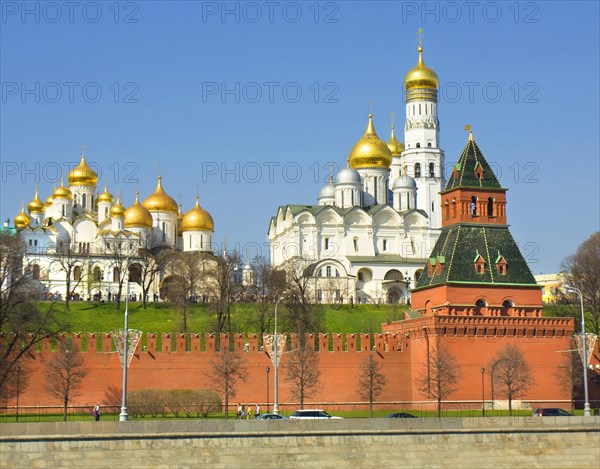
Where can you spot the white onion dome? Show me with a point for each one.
(404, 182)
(348, 175)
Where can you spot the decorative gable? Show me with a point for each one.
(478, 171)
(479, 264)
(501, 264)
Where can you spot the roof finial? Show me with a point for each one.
(82, 150)
(331, 172)
(370, 107)
(420, 35)
(468, 127)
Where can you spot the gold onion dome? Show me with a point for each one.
(117, 210)
(105, 196)
(36, 205)
(160, 201)
(62, 192)
(137, 215)
(82, 175)
(370, 151)
(22, 220)
(49, 201)
(421, 76)
(394, 145)
(197, 219)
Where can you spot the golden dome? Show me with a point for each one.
(370, 151)
(197, 219)
(137, 215)
(36, 205)
(105, 196)
(394, 145)
(117, 210)
(49, 201)
(160, 201)
(82, 175)
(421, 76)
(62, 192)
(22, 219)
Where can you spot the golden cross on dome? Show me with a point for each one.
(82, 150)
(468, 127)
(392, 119)
(370, 106)
(420, 35)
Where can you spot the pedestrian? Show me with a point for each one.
(257, 411)
(96, 413)
(238, 412)
(249, 412)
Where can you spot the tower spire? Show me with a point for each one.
(468, 127)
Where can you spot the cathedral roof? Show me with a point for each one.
(461, 246)
(82, 175)
(370, 151)
(472, 170)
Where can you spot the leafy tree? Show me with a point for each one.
(582, 271)
(65, 373)
(302, 372)
(511, 373)
(227, 370)
(439, 378)
(371, 381)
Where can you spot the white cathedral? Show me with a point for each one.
(372, 229)
(97, 230)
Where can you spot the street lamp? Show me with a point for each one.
(268, 369)
(124, 416)
(275, 364)
(586, 407)
(482, 392)
(407, 287)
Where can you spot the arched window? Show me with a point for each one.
(77, 273)
(417, 169)
(116, 274)
(83, 200)
(326, 243)
(431, 170)
(97, 274)
(490, 206)
(35, 271)
(384, 245)
(355, 241)
(418, 145)
(337, 273)
(428, 144)
(473, 208)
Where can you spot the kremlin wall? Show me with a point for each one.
(167, 363)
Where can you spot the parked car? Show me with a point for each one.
(551, 412)
(270, 417)
(312, 414)
(401, 415)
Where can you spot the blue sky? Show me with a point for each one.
(250, 101)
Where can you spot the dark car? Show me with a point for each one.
(551, 412)
(401, 415)
(270, 417)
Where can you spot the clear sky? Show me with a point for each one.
(250, 101)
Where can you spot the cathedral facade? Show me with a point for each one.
(376, 222)
(95, 241)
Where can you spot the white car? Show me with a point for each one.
(312, 414)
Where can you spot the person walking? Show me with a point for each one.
(96, 413)
(249, 413)
(257, 411)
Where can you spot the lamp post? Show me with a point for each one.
(482, 392)
(586, 407)
(124, 416)
(275, 364)
(268, 369)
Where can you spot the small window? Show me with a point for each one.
(490, 206)
(326, 243)
(83, 200)
(337, 273)
(361, 277)
(473, 208)
(328, 270)
(355, 242)
(35, 271)
(428, 144)
(385, 244)
(418, 145)
(417, 168)
(431, 169)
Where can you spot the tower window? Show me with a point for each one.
(417, 168)
(431, 169)
(385, 244)
(326, 243)
(418, 145)
(490, 206)
(428, 144)
(355, 241)
(473, 208)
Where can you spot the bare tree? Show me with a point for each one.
(371, 381)
(121, 250)
(227, 370)
(511, 373)
(302, 372)
(300, 314)
(71, 258)
(439, 378)
(582, 271)
(270, 285)
(218, 283)
(65, 373)
(152, 262)
(23, 322)
(570, 375)
(183, 286)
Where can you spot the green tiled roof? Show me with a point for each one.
(468, 162)
(459, 246)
